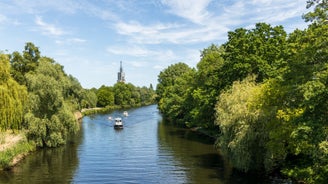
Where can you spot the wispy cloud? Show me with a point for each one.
(169, 33)
(141, 52)
(192, 10)
(135, 27)
(48, 29)
(70, 41)
(269, 11)
(40, 6)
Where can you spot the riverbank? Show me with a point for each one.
(13, 148)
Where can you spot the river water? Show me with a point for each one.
(147, 150)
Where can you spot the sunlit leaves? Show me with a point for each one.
(50, 118)
(258, 51)
(173, 92)
(319, 15)
(243, 129)
(12, 98)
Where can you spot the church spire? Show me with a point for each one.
(120, 74)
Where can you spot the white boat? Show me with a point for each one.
(118, 124)
(125, 113)
(110, 117)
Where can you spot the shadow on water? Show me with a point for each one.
(191, 136)
(202, 161)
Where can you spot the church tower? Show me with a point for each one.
(120, 74)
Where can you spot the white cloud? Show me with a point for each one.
(269, 11)
(170, 33)
(102, 12)
(48, 29)
(76, 40)
(277, 11)
(192, 10)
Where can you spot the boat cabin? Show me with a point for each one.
(118, 123)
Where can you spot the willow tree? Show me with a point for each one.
(50, 118)
(12, 98)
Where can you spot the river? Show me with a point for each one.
(147, 150)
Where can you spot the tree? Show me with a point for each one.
(167, 77)
(89, 99)
(207, 86)
(244, 124)
(176, 102)
(306, 106)
(259, 51)
(22, 64)
(105, 96)
(50, 118)
(13, 98)
(319, 15)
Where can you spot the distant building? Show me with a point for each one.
(120, 74)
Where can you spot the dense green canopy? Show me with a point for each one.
(12, 98)
(264, 92)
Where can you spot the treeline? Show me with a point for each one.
(39, 98)
(264, 92)
(125, 95)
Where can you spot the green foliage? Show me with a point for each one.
(77, 96)
(105, 96)
(89, 99)
(243, 126)
(173, 90)
(319, 15)
(295, 108)
(258, 51)
(50, 117)
(176, 101)
(123, 93)
(46, 102)
(167, 77)
(12, 98)
(22, 64)
(308, 77)
(273, 121)
(207, 87)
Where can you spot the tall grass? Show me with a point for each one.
(7, 156)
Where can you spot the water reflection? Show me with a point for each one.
(196, 155)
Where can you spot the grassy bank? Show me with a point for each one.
(13, 147)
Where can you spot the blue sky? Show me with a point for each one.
(90, 37)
